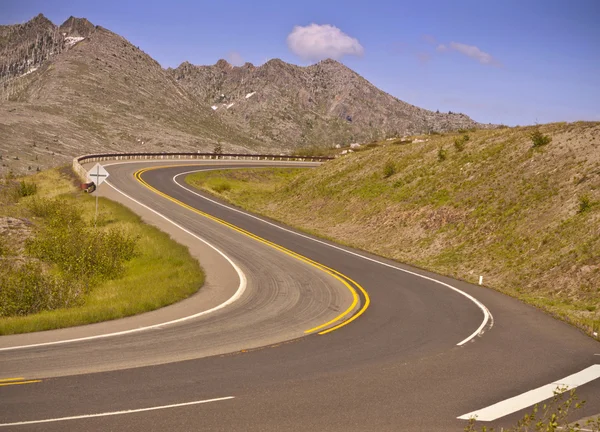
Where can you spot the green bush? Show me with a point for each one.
(538, 139)
(442, 154)
(81, 251)
(67, 256)
(222, 186)
(13, 190)
(389, 169)
(26, 289)
(585, 204)
(459, 143)
(26, 189)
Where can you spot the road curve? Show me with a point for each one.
(397, 367)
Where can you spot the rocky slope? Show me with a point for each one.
(323, 104)
(86, 89)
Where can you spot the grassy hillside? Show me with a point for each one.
(58, 270)
(525, 216)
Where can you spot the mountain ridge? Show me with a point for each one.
(80, 88)
(327, 96)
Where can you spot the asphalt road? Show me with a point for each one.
(396, 367)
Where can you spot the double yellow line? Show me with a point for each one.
(16, 381)
(343, 319)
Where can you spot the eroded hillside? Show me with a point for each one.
(97, 93)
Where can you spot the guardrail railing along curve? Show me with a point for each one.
(82, 173)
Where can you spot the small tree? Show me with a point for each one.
(389, 169)
(459, 143)
(585, 203)
(218, 149)
(538, 139)
(442, 154)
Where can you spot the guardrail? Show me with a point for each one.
(82, 173)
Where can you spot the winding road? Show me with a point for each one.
(289, 333)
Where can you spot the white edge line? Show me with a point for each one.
(114, 413)
(531, 397)
(487, 316)
(236, 295)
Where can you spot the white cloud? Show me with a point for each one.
(470, 51)
(473, 52)
(317, 42)
(235, 58)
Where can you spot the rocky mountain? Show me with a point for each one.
(79, 88)
(323, 104)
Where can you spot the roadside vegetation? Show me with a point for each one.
(519, 206)
(560, 414)
(59, 269)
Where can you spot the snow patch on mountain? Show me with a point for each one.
(72, 40)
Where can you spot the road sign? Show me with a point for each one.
(98, 174)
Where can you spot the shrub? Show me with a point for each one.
(222, 186)
(82, 252)
(78, 254)
(538, 139)
(389, 169)
(585, 203)
(442, 154)
(56, 211)
(27, 189)
(459, 143)
(27, 289)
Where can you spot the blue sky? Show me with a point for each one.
(511, 62)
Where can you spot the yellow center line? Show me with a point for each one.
(19, 382)
(334, 273)
(11, 379)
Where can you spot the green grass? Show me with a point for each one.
(162, 272)
(524, 219)
(245, 187)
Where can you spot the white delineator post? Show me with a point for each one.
(480, 280)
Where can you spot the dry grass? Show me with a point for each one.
(497, 207)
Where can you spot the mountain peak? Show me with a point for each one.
(40, 18)
(39, 21)
(275, 62)
(330, 61)
(78, 27)
(223, 64)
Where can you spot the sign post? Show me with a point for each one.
(97, 174)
